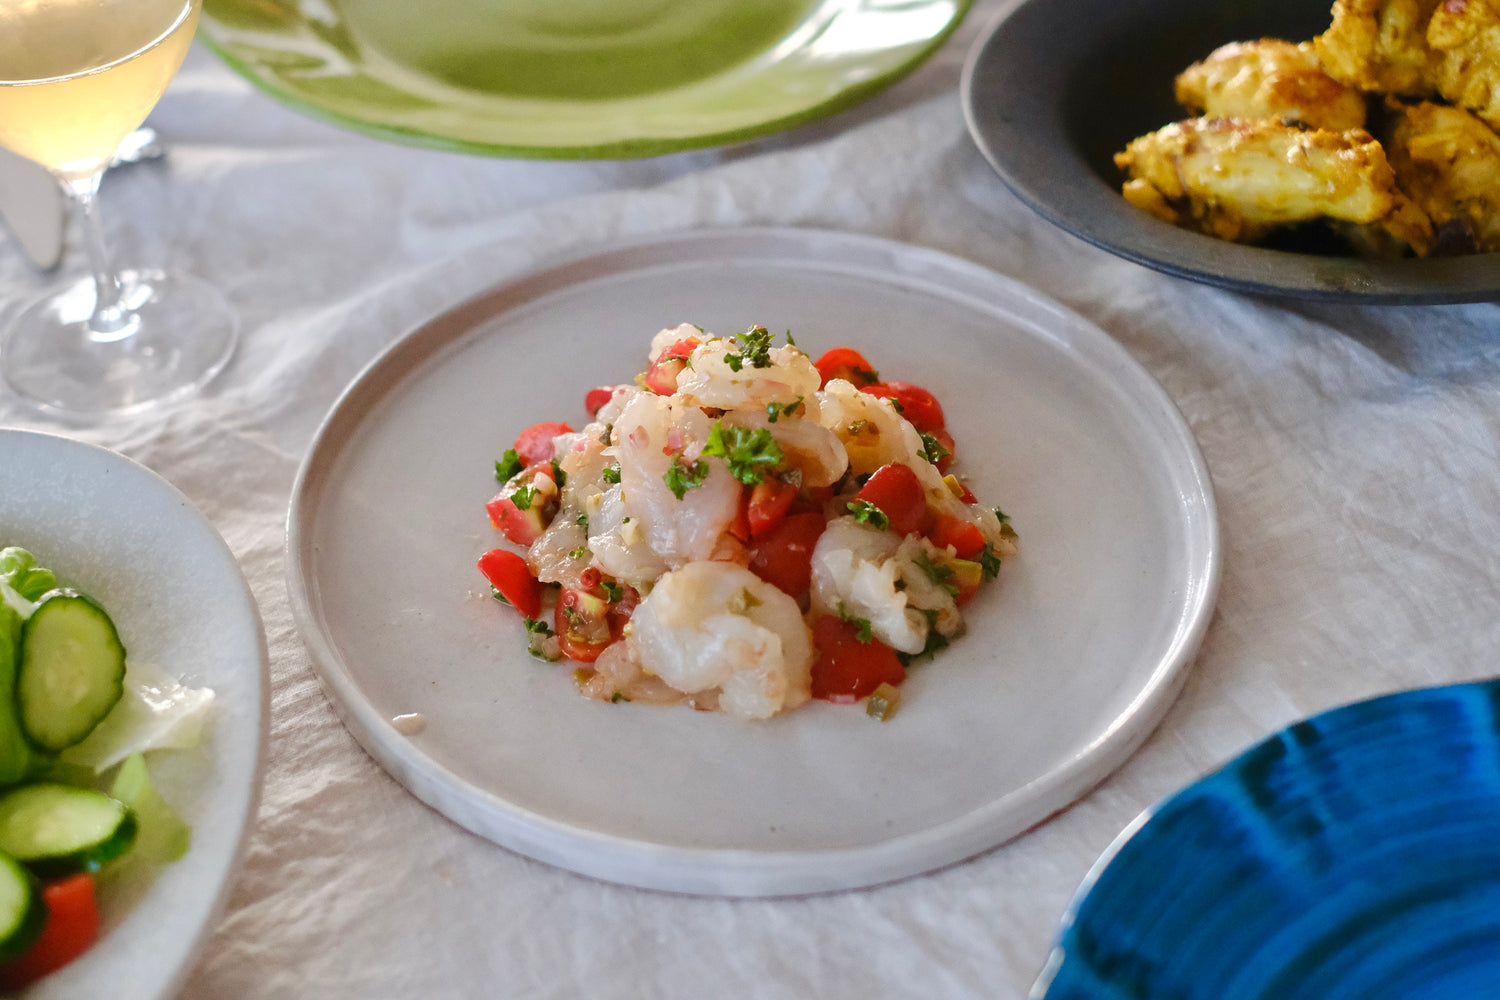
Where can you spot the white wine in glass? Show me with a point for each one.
(76, 77)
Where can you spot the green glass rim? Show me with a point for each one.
(625, 149)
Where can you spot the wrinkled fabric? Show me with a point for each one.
(1355, 454)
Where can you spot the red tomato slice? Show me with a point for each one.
(769, 503)
(71, 929)
(917, 404)
(848, 364)
(783, 555)
(966, 538)
(898, 493)
(534, 445)
(509, 574)
(596, 398)
(846, 669)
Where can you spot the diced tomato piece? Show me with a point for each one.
(966, 538)
(509, 574)
(596, 398)
(661, 377)
(783, 555)
(848, 364)
(580, 622)
(846, 669)
(72, 928)
(898, 493)
(534, 445)
(917, 404)
(519, 526)
(769, 502)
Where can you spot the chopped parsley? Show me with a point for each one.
(937, 573)
(681, 477)
(495, 593)
(583, 521)
(613, 592)
(523, 497)
(789, 339)
(863, 629)
(508, 466)
(579, 552)
(989, 562)
(755, 343)
(611, 474)
(868, 375)
(617, 698)
(932, 448)
(558, 475)
(752, 454)
(1004, 517)
(867, 513)
(775, 410)
(539, 628)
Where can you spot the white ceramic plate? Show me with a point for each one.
(120, 533)
(1067, 665)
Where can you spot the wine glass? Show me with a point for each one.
(76, 77)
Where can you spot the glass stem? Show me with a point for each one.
(111, 320)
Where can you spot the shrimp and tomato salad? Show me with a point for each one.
(742, 528)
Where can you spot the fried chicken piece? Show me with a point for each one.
(1240, 180)
(1465, 35)
(1270, 78)
(1380, 46)
(1448, 161)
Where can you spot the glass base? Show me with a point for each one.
(180, 333)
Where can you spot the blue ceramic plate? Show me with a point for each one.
(1354, 856)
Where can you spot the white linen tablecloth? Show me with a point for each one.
(1355, 455)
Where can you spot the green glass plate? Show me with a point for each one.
(570, 79)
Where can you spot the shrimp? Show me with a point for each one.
(716, 625)
(711, 380)
(874, 434)
(854, 575)
(639, 527)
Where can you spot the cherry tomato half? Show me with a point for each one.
(581, 623)
(898, 493)
(917, 404)
(534, 444)
(661, 377)
(848, 364)
(783, 555)
(595, 399)
(847, 669)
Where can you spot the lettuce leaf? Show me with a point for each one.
(157, 712)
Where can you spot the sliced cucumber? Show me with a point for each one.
(59, 830)
(22, 911)
(18, 758)
(72, 670)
